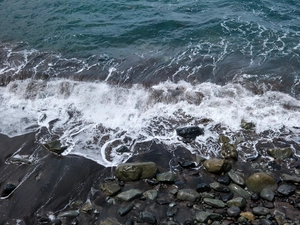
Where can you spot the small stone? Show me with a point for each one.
(259, 181)
(69, 214)
(217, 165)
(248, 215)
(171, 211)
(8, 189)
(187, 164)
(87, 207)
(239, 191)
(136, 171)
(110, 188)
(151, 194)
(188, 195)
(219, 187)
(255, 197)
(286, 189)
(147, 217)
(227, 196)
(203, 217)
(279, 217)
(166, 177)
(224, 139)
(238, 202)
(203, 187)
(224, 179)
(268, 205)
(123, 149)
(267, 194)
(280, 153)
(266, 222)
(247, 125)
(233, 211)
(289, 178)
(126, 209)
(260, 211)
(76, 204)
(189, 132)
(56, 147)
(236, 178)
(108, 222)
(129, 195)
(214, 202)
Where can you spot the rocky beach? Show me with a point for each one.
(160, 185)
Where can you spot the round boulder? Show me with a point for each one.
(259, 181)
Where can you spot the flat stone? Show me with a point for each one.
(260, 211)
(267, 194)
(239, 191)
(217, 165)
(233, 211)
(214, 202)
(286, 189)
(166, 177)
(259, 181)
(188, 195)
(147, 217)
(248, 215)
(236, 178)
(219, 187)
(110, 188)
(203, 217)
(238, 202)
(125, 210)
(129, 195)
(280, 153)
(151, 194)
(136, 171)
(289, 178)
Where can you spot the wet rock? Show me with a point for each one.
(187, 164)
(224, 139)
(69, 214)
(286, 189)
(217, 165)
(147, 217)
(259, 181)
(289, 178)
(219, 187)
(129, 195)
(203, 217)
(136, 171)
(280, 153)
(266, 222)
(126, 209)
(226, 197)
(238, 202)
(236, 178)
(255, 196)
(122, 149)
(87, 207)
(260, 211)
(166, 177)
(171, 211)
(268, 205)
(203, 187)
(76, 204)
(151, 194)
(229, 151)
(279, 217)
(214, 202)
(56, 147)
(224, 179)
(110, 188)
(109, 222)
(248, 215)
(233, 211)
(8, 189)
(188, 195)
(267, 194)
(19, 160)
(247, 125)
(189, 132)
(239, 191)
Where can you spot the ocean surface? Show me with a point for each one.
(102, 74)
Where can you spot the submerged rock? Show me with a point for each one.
(122, 149)
(280, 153)
(259, 181)
(56, 147)
(189, 132)
(217, 165)
(136, 171)
(247, 125)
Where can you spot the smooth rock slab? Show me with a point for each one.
(129, 195)
(136, 171)
(286, 189)
(214, 202)
(188, 195)
(259, 181)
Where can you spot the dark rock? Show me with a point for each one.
(86, 207)
(224, 179)
(289, 178)
(189, 132)
(188, 195)
(259, 181)
(260, 211)
(226, 197)
(217, 165)
(166, 177)
(109, 222)
(239, 191)
(110, 188)
(8, 189)
(255, 196)
(224, 139)
(203, 187)
(136, 171)
(129, 195)
(56, 147)
(122, 149)
(147, 217)
(268, 205)
(152, 181)
(238, 202)
(233, 211)
(214, 202)
(151, 194)
(219, 187)
(171, 211)
(187, 164)
(203, 217)
(236, 178)
(267, 194)
(126, 209)
(247, 125)
(266, 222)
(286, 189)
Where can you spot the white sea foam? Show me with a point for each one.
(94, 119)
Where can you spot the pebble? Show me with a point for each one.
(166, 177)
(70, 214)
(286, 189)
(147, 217)
(129, 195)
(260, 211)
(238, 202)
(266, 222)
(268, 205)
(151, 194)
(289, 178)
(247, 215)
(267, 194)
(214, 202)
(219, 187)
(259, 181)
(224, 179)
(203, 187)
(203, 217)
(126, 209)
(233, 211)
(226, 196)
(236, 178)
(188, 195)
(239, 191)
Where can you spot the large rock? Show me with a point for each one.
(280, 153)
(259, 181)
(136, 171)
(217, 165)
(189, 132)
(188, 195)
